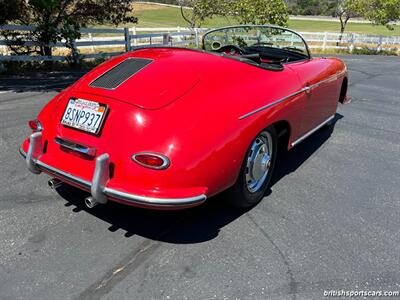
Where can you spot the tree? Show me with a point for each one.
(259, 11)
(59, 19)
(345, 10)
(245, 11)
(380, 12)
(194, 12)
(312, 7)
(11, 10)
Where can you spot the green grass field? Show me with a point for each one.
(322, 26)
(171, 17)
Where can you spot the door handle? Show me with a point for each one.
(307, 88)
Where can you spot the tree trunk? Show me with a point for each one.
(191, 22)
(47, 51)
(343, 23)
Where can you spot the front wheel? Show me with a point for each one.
(256, 171)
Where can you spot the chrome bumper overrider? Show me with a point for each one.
(98, 185)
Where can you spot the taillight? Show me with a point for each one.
(151, 160)
(35, 125)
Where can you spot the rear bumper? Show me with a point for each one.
(98, 187)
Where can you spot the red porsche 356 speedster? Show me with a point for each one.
(167, 128)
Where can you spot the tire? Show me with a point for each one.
(256, 170)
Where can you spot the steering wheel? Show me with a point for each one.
(232, 50)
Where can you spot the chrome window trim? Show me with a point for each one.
(308, 55)
(303, 137)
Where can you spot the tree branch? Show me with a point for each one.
(186, 18)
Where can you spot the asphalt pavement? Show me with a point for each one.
(330, 222)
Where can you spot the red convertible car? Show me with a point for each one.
(167, 128)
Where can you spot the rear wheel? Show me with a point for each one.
(256, 171)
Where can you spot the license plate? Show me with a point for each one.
(84, 115)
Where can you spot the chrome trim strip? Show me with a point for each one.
(152, 201)
(274, 103)
(60, 173)
(311, 131)
(136, 199)
(305, 89)
(326, 80)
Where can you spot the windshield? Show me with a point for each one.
(253, 37)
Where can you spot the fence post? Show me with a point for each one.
(127, 40)
(166, 39)
(178, 29)
(352, 41)
(379, 47)
(324, 41)
(196, 37)
(91, 39)
(134, 33)
(74, 52)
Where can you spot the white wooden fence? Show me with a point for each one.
(126, 39)
(351, 41)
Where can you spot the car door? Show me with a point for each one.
(317, 76)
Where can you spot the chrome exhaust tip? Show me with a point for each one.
(90, 202)
(54, 183)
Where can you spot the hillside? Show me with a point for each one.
(153, 15)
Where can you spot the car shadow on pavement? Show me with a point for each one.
(40, 82)
(291, 160)
(195, 225)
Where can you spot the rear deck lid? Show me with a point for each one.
(149, 83)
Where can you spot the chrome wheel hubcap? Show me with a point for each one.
(258, 162)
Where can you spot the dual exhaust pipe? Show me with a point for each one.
(90, 202)
(55, 183)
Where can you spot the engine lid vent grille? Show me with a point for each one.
(120, 73)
